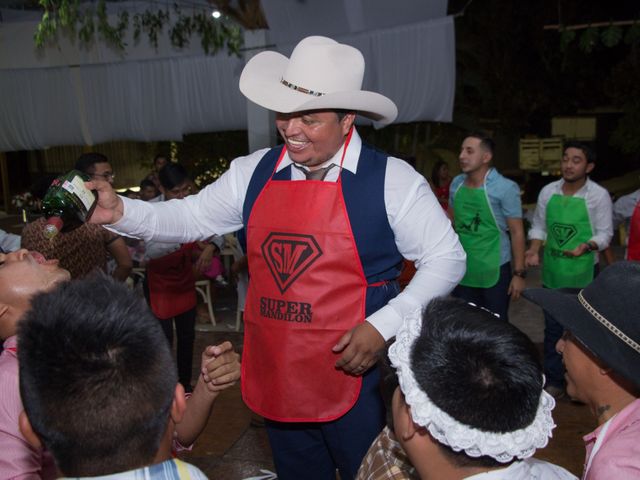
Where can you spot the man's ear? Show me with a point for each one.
(179, 404)
(27, 431)
(406, 426)
(590, 166)
(347, 122)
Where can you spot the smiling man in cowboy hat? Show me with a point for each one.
(601, 352)
(328, 221)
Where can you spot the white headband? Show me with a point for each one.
(503, 447)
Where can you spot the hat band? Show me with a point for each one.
(607, 324)
(300, 89)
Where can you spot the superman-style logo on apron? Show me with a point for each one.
(288, 255)
(563, 233)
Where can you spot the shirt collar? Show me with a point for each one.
(584, 188)
(350, 159)
(10, 343)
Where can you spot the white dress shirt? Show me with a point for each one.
(423, 233)
(9, 242)
(624, 207)
(529, 469)
(598, 205)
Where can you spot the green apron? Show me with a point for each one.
(480, 236)
(568, 226)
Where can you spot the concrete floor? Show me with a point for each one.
(234, 446)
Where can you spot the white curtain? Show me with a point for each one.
(165, 98)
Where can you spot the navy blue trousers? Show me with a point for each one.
(553, 366)
(493, 298)
(313, 451)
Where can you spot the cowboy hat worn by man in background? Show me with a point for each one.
(323, 255)
(601, 353)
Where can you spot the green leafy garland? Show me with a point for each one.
(86, 23)
(609, 36)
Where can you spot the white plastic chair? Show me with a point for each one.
(243, 278)
(203, 287)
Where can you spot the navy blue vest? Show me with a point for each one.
(364, 198)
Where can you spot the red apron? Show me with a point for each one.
(171, 283)
(633, 246)
(307, 289)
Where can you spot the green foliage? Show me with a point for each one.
(87, 23)
(611, 36)
(208, 170)
(566, 37)
(589, 39)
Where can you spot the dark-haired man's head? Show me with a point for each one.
(96, 165)
(159, 161)
(97, 379)
(476, 153)
(578, 161)
(467, 365)
(148, 190)
(175, 181)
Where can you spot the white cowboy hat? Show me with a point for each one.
(321, 74)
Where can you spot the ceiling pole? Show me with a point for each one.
(260, 121)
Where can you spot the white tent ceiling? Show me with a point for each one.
(70, 96)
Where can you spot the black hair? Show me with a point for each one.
(482, 371)
(435, 172)
(147, 183)
(87, 161)
(172, 175)
(588, 151)
(485, 140)
(97, 379)
(160, 155)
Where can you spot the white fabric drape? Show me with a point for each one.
(163, 99)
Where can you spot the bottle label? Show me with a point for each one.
(76, 186)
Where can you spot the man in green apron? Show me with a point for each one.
(573, 217)
(485, 206)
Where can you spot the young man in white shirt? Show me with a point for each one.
(573, 220)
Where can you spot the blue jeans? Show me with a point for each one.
(493, 298)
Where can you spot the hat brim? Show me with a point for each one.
(567, 310)
(260, 83)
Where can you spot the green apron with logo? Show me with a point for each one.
(568, 226)
(480, 236)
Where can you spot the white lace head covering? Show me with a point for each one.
(503, 447)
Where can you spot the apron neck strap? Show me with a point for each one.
(344, 152)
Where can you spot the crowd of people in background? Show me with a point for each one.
(353, 372)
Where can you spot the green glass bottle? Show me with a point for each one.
(68, 203)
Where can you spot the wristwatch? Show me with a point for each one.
(520, 273)
(591, 246)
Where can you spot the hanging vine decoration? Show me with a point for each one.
(89, 22)
(590, 36)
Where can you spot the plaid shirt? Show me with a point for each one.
(167, 470)
(386, 460)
